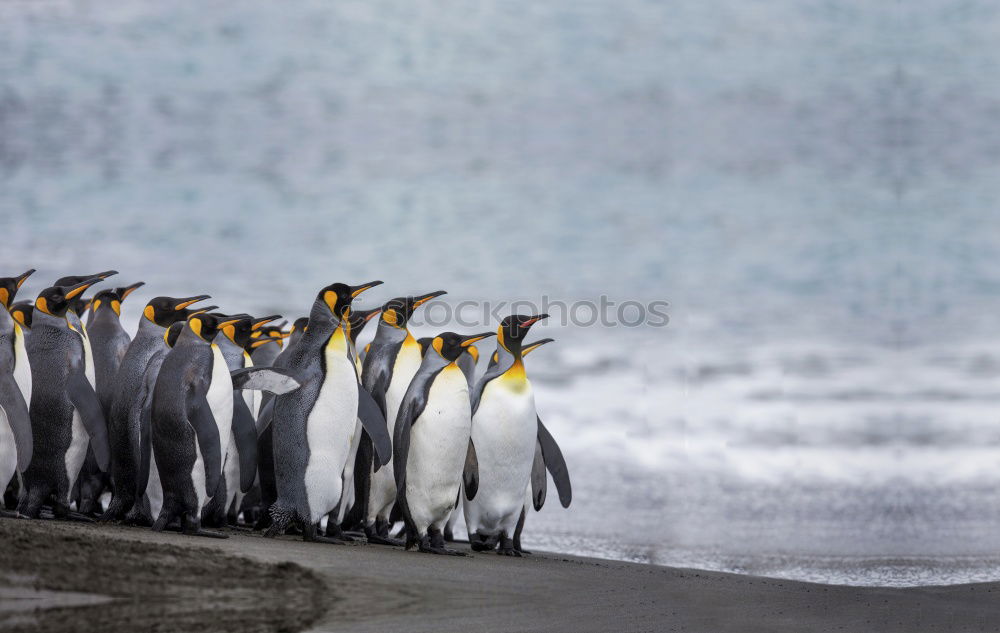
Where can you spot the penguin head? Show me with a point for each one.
(299, 325)
(396, 312)
(266, 334)
(450, 345)
(242, 329)
(165, 311)
(338, 297)
(514, 328)
(9, 287)
(111, 298)
(357, 321)
(22, 311)
(57, 300)
(207, 326)
(170, 336)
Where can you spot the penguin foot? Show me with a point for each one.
(449, 535)
(427, 546)
(333, 531)
(311, 535)
(507, 547)
(240, 528)
(357, 535)
(374, 538)
(7, 514)
(192, 527)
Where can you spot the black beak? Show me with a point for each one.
(356, 290)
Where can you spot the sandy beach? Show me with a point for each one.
(130, 579)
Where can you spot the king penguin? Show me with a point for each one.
(192, 418)
(239, 468)
(471, 358)
(65, 413)
(504, 433)
(108, 341)
(312, 426)
(15, 387)
(432, 449)
(390, 364)
(131, 402)
(356, 322)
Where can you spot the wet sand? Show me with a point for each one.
(286, 584)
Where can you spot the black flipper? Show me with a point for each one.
(146, 424)
(265, 416)
(245, 434)
(12, 401)
(539, 481)
(84, 398)
(401, 446)
(470, 476)
(556, 464)
(271, 379)
(201, 418)
(373, 421)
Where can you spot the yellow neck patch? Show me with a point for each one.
(337, 340)
(41, 303)
(515, 377)
(150, 313)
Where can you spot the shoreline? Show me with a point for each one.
(373, 588)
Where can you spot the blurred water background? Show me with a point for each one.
(810, 184)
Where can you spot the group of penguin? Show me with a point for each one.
(203, 419)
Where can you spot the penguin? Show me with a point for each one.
(149, 501)
(65, 412)
(356, 322)
(391, 362)
(472, 354)
(312, 426)
(108, 342)
(191, 417)
(550, 457)
(239, 468)
(129, 422)
(15, 387)
(431, 443)
(108, 339)
(504, 434)
(265, 444)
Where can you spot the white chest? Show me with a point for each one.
(405, 368)
(220, 397)
(22, 368)
(439, 438)
(330, 430)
